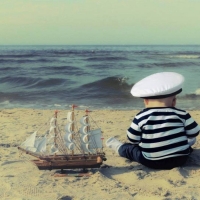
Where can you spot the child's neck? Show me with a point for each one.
(167, 102)
(157, 104)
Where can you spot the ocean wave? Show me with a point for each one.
(174, 64)
(185, 56)
(166, 64)
(21, 55)
(10, 68)
(71, 52)
(19, 81)
(26, 83)
(107, 58)
(109, 82)
(102, 67)
(67, 69)
(112, 88)
(46, 83)
(59, 68)
(31, 60)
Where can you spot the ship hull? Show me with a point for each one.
(69, 162)
(50, 165)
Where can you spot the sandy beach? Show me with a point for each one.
(118, 178)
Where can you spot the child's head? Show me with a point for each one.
(159, 90)
(164, 102)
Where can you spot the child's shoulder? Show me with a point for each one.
(178, 109)
(161, 109)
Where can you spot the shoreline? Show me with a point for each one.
(117, 179)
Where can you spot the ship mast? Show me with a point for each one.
(73, 126)
(55, 129)
(87, 119)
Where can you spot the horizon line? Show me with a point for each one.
(99, 44)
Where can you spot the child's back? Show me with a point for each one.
(162, 132)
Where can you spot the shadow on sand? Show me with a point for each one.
(193, 163)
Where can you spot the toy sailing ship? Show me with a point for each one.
(75, 148)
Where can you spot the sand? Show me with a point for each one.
(118, 178)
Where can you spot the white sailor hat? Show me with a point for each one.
(159, 85)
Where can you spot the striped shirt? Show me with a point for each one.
(162, 132)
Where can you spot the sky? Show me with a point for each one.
(99, 22)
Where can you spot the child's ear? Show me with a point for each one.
(174, 102)
(146, 102)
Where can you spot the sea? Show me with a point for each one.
(92, 76)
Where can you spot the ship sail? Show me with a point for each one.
(96, 139)
(69, 131)
(35, 144)
(39, 144)
(53, 135)
(90, 139)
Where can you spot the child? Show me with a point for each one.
(161, 135)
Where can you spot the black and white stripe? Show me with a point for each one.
(162, 132)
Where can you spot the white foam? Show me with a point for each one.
(5, 102)
(57, 105)
(197, 92)
(185, 56)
